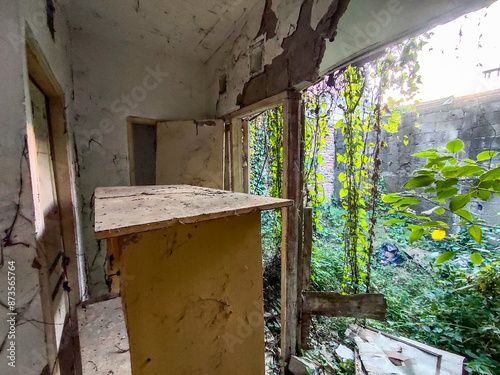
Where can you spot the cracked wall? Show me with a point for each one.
(306, 39)
(113, 80)
(18, 237)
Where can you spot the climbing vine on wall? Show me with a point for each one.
(320, 104)
(266, 168)
(366, 113)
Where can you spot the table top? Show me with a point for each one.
(134, 209)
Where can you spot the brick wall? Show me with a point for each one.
(475, 119)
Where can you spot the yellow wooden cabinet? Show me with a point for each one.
(189, 265)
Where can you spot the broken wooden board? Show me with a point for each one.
(419, 256)
(382, 353)
(361, 306)
(134, 209)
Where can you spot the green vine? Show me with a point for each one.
(266, 167)
(366, 113)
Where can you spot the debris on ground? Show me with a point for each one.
(381, 353)
(389, 254)
(420, 256)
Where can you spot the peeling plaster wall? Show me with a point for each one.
(305, 39)
(16, 203)
(113, 80)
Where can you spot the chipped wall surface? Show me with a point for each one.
(305, 39)
(16, 204)
(113, 80)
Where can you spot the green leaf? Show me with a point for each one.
(394, 221)
(427, 154)
(459, 201)
(339, 123)
(419, 181)
(406, 202)
(465, 214)
(446, 194)
(416, 234)
(439, 210)
(469, 170)
(444, 184)
(476, 233)
(494, 174)
(484, 195)
(445, 257)
(476, 258)
(343, 193)
(435, 224)
(391, 198)
(485, 155)
(455, 146)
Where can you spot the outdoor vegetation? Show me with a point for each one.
(449, 299)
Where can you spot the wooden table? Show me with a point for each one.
(188, 264)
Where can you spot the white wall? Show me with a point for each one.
(31, 354)
(113, 80)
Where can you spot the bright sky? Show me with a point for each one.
(453, 65)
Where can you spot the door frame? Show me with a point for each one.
(40, 73)
(131, 121)
(292, 217)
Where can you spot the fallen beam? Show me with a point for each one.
(361, 306)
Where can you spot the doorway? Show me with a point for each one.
(53, 189)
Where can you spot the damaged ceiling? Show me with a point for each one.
(191, 27)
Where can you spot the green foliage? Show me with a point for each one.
(366, 114)
(445, 175)
(320, 103)
(454, 307)
(266, 170)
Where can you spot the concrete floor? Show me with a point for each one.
(104, 339)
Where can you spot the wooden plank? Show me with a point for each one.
(376, 347)
(358, 366)
(246, 156)
(236, 129)
(291, 231)
(134, 209)
(306, 274)
(190, 152)
(450, 363)
(361, 306)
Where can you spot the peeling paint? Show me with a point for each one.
(269, 21)
(302, 54)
